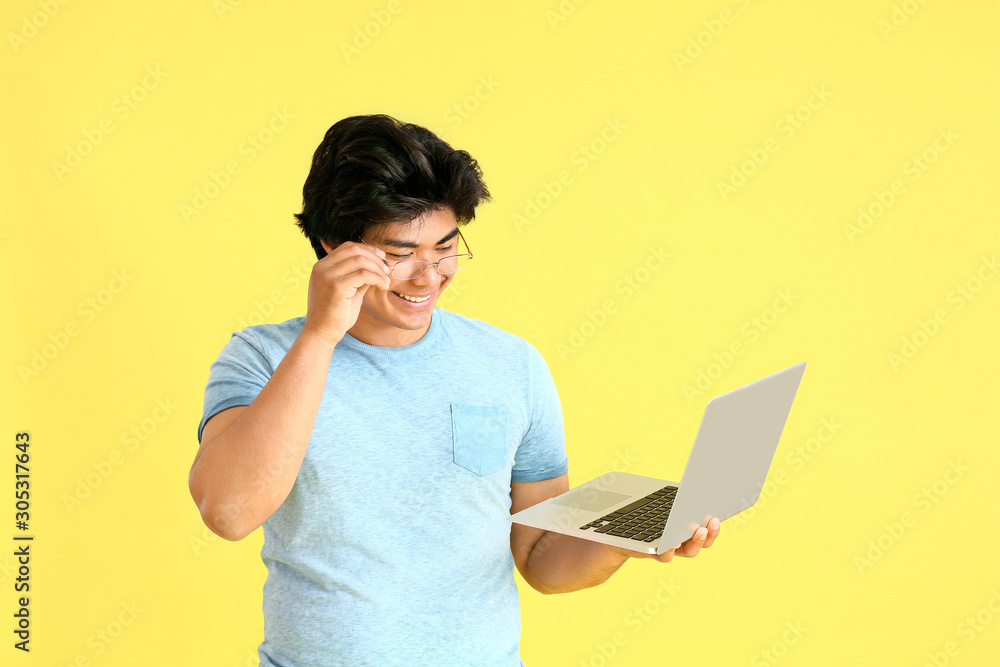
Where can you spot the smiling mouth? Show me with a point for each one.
(413, 299)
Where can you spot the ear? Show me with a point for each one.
(327, 247)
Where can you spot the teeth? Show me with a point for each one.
(413, 298)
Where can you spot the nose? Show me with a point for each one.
(430, 278)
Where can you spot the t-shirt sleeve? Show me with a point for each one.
(236, 377)
(542, 453)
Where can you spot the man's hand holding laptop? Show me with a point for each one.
(641, 517)
(702, 539)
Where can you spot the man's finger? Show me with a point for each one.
(691, 548)
(713, 532)
(666, 556)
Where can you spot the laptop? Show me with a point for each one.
(724, 475)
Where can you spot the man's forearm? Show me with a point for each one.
(562, 564)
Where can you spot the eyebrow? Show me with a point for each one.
(402, 243)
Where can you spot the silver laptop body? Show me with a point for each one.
(724, 475)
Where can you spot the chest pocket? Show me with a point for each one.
(479, 435)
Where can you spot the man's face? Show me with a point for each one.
(401, 315)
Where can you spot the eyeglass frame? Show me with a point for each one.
(427, 264)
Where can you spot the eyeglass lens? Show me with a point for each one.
(409, 270)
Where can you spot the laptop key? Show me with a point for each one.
(631, 506)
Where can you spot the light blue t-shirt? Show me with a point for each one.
(393, 547)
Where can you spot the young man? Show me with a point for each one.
(382, 442)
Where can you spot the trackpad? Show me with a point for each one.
(590, 499)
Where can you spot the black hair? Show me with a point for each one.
(374, 169)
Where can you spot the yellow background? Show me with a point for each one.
(826, 552)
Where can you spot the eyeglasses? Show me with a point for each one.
(414, 268)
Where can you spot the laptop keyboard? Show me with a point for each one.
(642, 520)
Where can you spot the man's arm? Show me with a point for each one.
(250, 456)
(557, 563)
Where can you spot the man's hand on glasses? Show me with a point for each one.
(338, 284)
